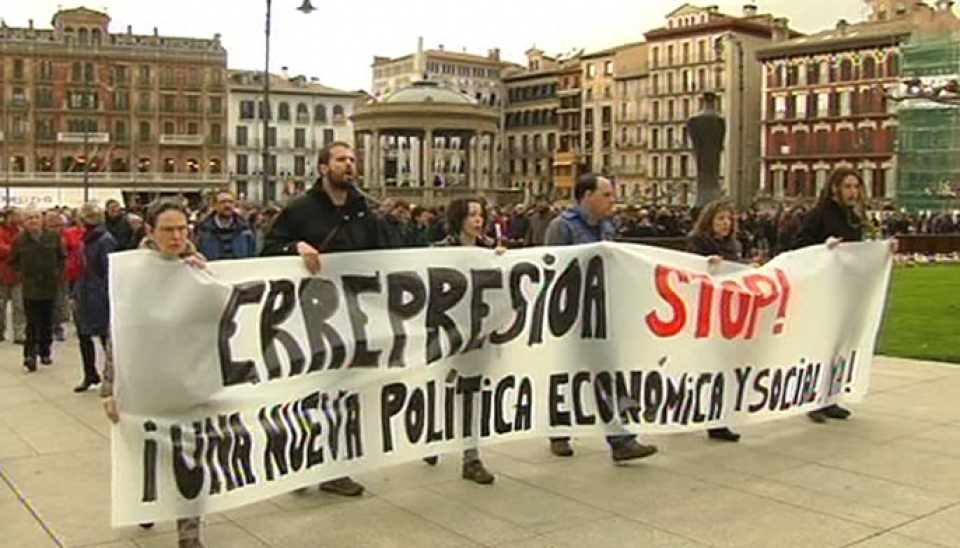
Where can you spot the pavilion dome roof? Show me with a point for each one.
(428, 92)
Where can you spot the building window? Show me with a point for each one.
(120, 74)
(303, 114)
(320, 114)
(684, 166)
(216, 134)
(169, 128)
(241, 136)
(655, 138)
(246, 110)
(668, 167)
(216, 105)
(328, 137)
(18, 69)
(608, 68)
(300, 138)
(283, 112)
(169, 103)
(299, 166)
(655, 57)
(76, 72)
(145, 75)
(144, 132)
(44, 98)
(83, 100)
(88, 72)
(120, 131)
(121, 100)
(193, 104)
(272, 137)
(591, 70)
(243, 166)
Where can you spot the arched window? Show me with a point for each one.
(216, 166)
(337, 111)
(169, 165)
(82, 36)
(320, 114)
(846, 70)
(303, 113)
(95, 36)
(119, 165)
(869, 67)
(193, 165)
(893, 65)
(284, 112)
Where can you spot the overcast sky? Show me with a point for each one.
(337, 42)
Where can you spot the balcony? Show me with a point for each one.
(18, 136)
(19, 103)
(127, 179)
(83, 136)
(181, 140)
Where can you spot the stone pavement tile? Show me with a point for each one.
(8, 378)
(867, 490)
(943, 440)
(724, 517)
(15, 396)
(77, 524)
(118, 544)
(262, 508)
(931, 401)
(458, 517)
(537, 450)
(87, 473)
(815, 442)
(535, 510)
(882, 427)
(905, 465)
(13, 446)
(19, 528)
(890, 540)
(939, 528)
(370, 523)
(223, 535)
(412, 475)
(916, 368)
(616, 532)
(739, 457)
(55, 431)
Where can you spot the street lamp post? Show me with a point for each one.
(306, 7)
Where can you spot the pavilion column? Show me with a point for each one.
(476, 159)
(467, 145)
(374, 156)
(428, 158)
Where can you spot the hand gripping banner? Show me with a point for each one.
(252, 378)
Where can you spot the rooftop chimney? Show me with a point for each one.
(440, 47)
(129, 30)
(494, 54)
(842, 25)
(156, 32)
(30, 21)
(749, 10)
(781, 29)
(283, 71)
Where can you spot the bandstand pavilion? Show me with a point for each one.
(429, 145)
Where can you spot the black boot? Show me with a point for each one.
(836, 412)
(86, 385)
(723, 434)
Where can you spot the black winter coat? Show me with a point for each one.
(728, 249)
(829, 220)
(314, 218)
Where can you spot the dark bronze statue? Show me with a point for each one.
(707, 131)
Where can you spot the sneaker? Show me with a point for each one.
(561, 448)
(476, 472)
(836, 412)
(723, 434)
(818, 417)
(632, 451)
(432, 461)
(345, 487)
(30, 364)
(46, 360)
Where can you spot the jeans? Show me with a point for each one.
(39, 337)
(10, 293)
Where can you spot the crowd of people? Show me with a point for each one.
(54, 267)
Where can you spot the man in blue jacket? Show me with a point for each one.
(225, 235)
(586, 223)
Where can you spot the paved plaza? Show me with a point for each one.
(890, 478)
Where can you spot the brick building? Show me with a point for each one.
(84, 107)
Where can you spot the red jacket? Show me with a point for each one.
(72, 239)
(8, 235)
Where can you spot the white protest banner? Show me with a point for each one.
(252, 378)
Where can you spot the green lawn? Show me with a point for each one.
(923, 314)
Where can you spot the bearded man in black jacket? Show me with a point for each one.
(333, 216)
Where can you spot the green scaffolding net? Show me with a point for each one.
(928, 143)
